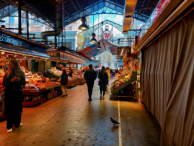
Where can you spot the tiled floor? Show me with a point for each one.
(73, 121)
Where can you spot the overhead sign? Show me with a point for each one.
(9, 39)
(20, 42)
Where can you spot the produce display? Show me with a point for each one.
(35, 82)
(77, 73)
(55, 71)
(77, 77)
(120, 79)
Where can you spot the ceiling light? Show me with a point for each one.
(2, 26)
(128, 16)
(98, 46)
(93, 40)
(33, 38)
(118, 41)
(83, 26)
(2, 53)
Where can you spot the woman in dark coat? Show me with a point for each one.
(103, 81)
(13, 81)
(64, 81)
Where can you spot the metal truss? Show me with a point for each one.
(140, 17)
(113, 7)
(100, 7)
(7, 11)
(11, 11)
(86, 34)
(48, 21)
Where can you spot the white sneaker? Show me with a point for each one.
(9, 130)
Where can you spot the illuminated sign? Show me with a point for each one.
(8, 39)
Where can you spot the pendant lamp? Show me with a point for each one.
(98, 46)
(93, 40)
(2, 26)
(98, 32)
(83, 26)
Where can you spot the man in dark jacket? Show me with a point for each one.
(90, 76)
(64, 81)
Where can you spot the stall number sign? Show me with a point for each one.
(8, 39)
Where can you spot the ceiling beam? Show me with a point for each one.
(74, 5)
(144, 8)
(128, 14)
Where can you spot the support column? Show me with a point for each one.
(27, 24)
(55, 37)
(20, 2)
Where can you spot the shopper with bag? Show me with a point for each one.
(13, 81)
(103, 82)
(64, 82)
(90, 76)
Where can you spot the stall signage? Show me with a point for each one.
(8, 39)
(14, 41)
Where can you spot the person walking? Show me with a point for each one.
(13, 81)
(108, 72)
(70, 73)
(90, 76)
(103, 81)
(64, 82)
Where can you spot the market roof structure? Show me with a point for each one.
(74, 9)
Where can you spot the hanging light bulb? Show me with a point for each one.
(98, 46)
(2, 26)
(118, 41)
(93, 40)
(2, 53)
(33, 38)
(83, 26)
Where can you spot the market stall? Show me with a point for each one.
(70, 58)
(125, 82)
(28, 53)
(38, 89)
(77, 74)
(54, 73)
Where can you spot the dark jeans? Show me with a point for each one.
(102, 89)
(90, 87)
(13, 118)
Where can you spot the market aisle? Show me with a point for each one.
(74, 121)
